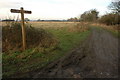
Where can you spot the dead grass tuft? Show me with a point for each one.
(112, 27)
(79, 27)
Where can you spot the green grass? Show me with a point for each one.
(32, 59)
(67, 39)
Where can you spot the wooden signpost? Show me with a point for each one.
(22, 11)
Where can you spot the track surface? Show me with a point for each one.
(97, 57)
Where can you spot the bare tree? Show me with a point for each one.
(115, 6)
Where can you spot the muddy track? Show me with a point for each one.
(97, 57)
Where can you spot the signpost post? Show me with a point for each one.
(22, 11)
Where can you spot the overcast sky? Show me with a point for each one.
(52, 9)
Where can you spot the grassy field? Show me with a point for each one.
(52, 24)
(68, 34)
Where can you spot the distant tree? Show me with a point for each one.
(26, 19)
(115, 6)
(73, 19)
(91, 15)
(38, 20)
(94, 14)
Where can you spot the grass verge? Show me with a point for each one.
(111, 29)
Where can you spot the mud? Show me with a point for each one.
(97, 57)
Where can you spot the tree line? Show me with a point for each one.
(112, 18)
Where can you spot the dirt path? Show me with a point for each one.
(96, 58)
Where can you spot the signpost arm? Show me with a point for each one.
(23, 29)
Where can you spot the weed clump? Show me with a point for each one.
(35, 38)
